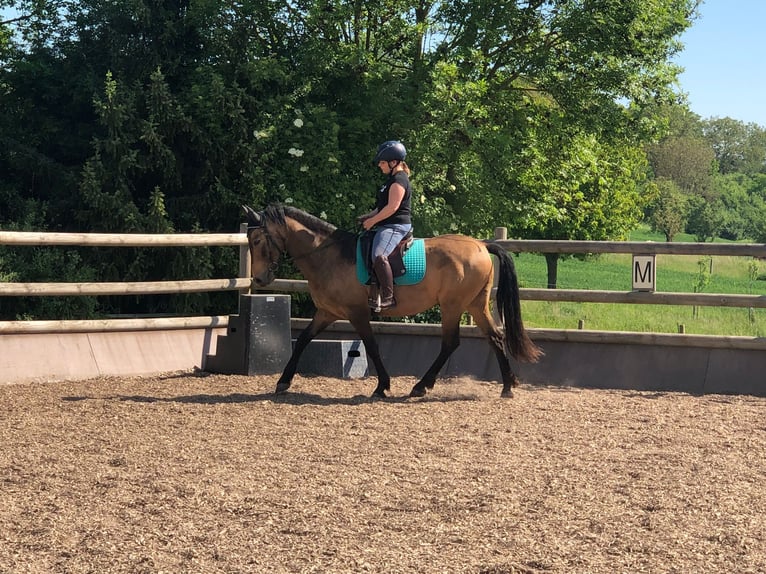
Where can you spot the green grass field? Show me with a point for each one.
(675, 273)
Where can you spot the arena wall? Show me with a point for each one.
(76, 356)
(688, 364)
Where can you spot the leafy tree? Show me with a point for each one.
(705, 219)
(506, 91)
(169, 114)
(738, 147)
(596, 194)
(667, 213)
(688, 161)
(744, 200)
(680, 121)
(5, 35)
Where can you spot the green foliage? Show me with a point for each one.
(667, 213)
(687, 161)
(738, 147)
(705, 219)
(160, 116)
(715, 164)
(46, 264)
(6, 275)
(704, 271)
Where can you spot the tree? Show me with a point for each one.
(705, 218)
(688, 161)
(743, 198)
(172, 113)
(738, 147)
(667, 213)
(5, 35)
(584, 191)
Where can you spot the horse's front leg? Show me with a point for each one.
(361, 323)
(450, 342)
(318, 324)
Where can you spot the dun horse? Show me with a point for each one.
(458, 277)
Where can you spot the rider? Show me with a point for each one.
(391, 217)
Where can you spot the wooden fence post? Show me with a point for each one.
(244, 265)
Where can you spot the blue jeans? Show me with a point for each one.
(387, 237)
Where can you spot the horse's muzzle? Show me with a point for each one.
(262, 280)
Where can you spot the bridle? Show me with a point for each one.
(272, 245)
(270, 242)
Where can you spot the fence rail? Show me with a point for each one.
(124, 288)
(121, 239)
(635, 247)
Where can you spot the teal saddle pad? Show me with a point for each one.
(414, 262)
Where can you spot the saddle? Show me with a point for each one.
(395, 259)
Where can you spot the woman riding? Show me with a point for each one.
(390, 218)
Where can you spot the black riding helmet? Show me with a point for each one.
(391, 150)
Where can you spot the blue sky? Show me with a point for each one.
(725, 61)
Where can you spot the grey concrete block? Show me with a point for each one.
(344, 359)
(258, 340)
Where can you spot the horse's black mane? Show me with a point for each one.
(345, 239)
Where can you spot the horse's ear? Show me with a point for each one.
(253, 217)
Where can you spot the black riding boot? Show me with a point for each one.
(373, 297)
(385, 282)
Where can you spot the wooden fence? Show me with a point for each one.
(242, 282)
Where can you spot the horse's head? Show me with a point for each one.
(264, 250)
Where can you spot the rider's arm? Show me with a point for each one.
(395, 196)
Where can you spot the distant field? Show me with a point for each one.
(675, 273)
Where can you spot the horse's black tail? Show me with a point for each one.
(517, 342)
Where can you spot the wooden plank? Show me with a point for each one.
(112, 325)
(286, 286)
(127, 288)
(635, 247)
(121, 239)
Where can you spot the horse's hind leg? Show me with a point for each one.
(483, 319)
(450, 342)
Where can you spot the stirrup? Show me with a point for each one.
(390, 304)
(374, 304)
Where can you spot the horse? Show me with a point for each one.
(458, 277)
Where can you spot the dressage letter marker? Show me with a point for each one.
(644, 272)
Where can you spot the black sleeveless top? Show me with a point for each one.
(402, 215)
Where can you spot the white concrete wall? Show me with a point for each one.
(653, 366)
(62, 356)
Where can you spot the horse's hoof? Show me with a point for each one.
(379, 394)
(507, 394)
(417, 392)
(281, 389)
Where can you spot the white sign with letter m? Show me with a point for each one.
(644, 272)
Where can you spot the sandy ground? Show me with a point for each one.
(212, 474)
